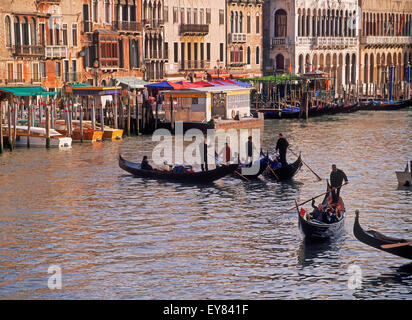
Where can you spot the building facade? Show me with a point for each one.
(308, 35)
(111, 41)
(195, 38)
(244, 37)
(40, 43)
(385, 39)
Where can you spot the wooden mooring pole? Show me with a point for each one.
(47, 127)
(1, 129)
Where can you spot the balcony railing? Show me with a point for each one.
(49, 1)
(52, 52)
(72, 77)
(128, 26)
(194, 29)
(388, 40)
(278, 41)
(237, 37)
(153, 24)
(14, 81)
(194, 64)
(28, 50)
(318, 42)
(155, 54)
(87, 26)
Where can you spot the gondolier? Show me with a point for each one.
(336, 179)
(282, 145)
(203, 155)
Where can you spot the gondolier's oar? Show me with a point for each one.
(395, 245)
(241, 175)
(304, 202)
(307, 166)
(273, 171)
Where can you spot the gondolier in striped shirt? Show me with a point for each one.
(336, 179)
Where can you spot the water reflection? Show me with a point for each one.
(116, 236)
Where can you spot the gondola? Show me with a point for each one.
(314, 230)
(376, 239)
(187, 177)
(286, 173)
(263, 163)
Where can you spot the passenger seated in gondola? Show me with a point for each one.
(182, 169)
(145, 164)
(317, 212)
(330, 215)
(275, 163)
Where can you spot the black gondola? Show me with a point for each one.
(285, 173)
(315, 230)
(376, 239)
(263, 163)
(187, 177)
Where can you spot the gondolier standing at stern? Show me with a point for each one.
(282, 145)
(336, 179)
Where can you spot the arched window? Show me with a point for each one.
(371, 71)
(25, 29)
(280, 23)
(301, 64)
(248, 55)
(241, 22)
(280, 63)
(240, 58)
(33, 33)
(8, 31)
(257, 55)
(365, 69)
(232, 21)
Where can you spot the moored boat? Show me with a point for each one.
(38, 137)
(375, 239)
(185, 177)
(313, 229)
(262, 163)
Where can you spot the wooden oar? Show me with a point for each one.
(307, 166)
(273, 171)
(395, 245)
(322, 194)
(241, 175)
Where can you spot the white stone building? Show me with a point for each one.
(307, 35)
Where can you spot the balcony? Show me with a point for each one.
(237, 37)
(127, 26)
(153, 24)
(72, 77)
(13, 81)
(379, 41)
(156, 55)
(194, 29)
(278, 41)
(28, 50)
(55, 52)
(194, 65)
(327, 42)
(49, 1)
(87, 26)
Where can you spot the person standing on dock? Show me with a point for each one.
(336, 179)
(282, 145)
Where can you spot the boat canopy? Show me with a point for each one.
(27, 91)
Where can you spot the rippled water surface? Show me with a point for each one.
(119, 237)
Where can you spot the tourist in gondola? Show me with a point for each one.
(318, 212)
(337, 176)
(282, 145)
(145, 164)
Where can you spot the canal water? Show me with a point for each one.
(114, 236)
